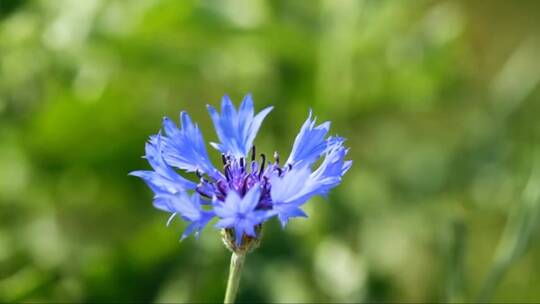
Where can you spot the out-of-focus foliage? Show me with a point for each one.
(439, 101)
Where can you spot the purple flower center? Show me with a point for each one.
(240, 176)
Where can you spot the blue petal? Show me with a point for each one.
(162, 203)
(154, 181)
(290, 192)
(310, 143)
(225, 223)
(189, 229)
(250, 200)
(249, 228)
(184, 148)
(187, 207)
(286, 189)
(299, 184)
(333, 167)
(163, 178)
(229, 207)
(240, 213)
(289, 211)
(236, 130)
(239, 233)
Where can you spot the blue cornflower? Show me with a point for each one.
(249, 190)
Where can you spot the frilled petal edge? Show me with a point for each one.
(299, 184)
(236, 129)
(184, 148)
(189, 208)
(310, 143)
(163, 178)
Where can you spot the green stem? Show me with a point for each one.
(455, 282)
(235, 272)
(517, 235)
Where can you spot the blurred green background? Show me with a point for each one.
(439, 101)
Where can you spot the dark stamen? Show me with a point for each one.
(199, 173)
(245, 184)
(263, 163)
(201, 192)
(222, 187)
(279, 170)
(290, 167)
(223, 159)
(242, 163)
(253, 152)
(227, 172)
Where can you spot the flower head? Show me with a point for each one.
(250, 189)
